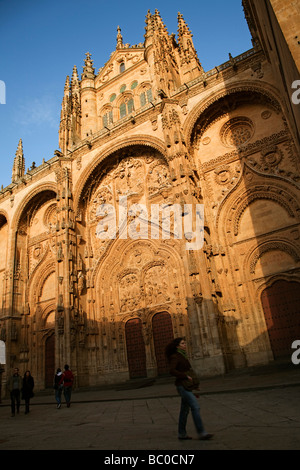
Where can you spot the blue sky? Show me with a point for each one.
(41, 41)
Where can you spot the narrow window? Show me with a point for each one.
(149, 95)
(146, 97)
(122, 67)
(143, 99)
(122, 110)
(130, 106)
(107, 118)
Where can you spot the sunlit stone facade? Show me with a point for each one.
(152, 129)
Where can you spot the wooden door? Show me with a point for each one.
(136, 353)
(162, 335)
(281, 305)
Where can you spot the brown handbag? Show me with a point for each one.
(191, 384)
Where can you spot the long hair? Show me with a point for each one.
(171, 348)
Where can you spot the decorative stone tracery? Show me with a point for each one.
(237, 131)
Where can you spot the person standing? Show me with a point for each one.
(27, 389)
(14, 387)
(186, 381)
(67, 381)
(58, 387)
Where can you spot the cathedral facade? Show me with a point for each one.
(96, 269)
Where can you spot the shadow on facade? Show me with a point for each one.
(241, 291)
(252, 200)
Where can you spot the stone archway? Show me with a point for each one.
(281, 306)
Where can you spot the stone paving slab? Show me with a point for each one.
(245, 412)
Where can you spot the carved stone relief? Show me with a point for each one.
(136, 178)
(141, 279)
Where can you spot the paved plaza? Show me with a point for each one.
(247, 411)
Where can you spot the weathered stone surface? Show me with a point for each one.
(95, 266)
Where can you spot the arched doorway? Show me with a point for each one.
(162, 335)
(281, 305)
(49, 361)
(136, 353)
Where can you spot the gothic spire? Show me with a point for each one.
(158, 22)
(148, 30)
(19, 164)
(119, 39)
(67, 86)
(65, 100)
(154, 24)
(187, 50)
(75, 81)
(183, 29)
(88, 69)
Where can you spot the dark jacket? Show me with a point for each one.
(181, 368)
(15, 378)
(27, 388)
(57, 381)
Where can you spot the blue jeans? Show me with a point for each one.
(58, 393)
(67, 394)
(189, 401)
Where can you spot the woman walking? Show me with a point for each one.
(27, 389)
(185, 382)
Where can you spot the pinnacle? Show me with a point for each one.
(88, 69)
(119, 38)
(67, 83)
(20, 148)
(74, 74)
(182, 25)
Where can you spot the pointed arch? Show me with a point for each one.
(38, 279)
(267, 187)
(261, 249)
(218, 102)
(107, 154)
(49, 190)
(4, 218)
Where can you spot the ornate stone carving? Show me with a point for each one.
(272, 246)
(237, 131)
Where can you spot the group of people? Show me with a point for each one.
(22, 387)
(63, 382)
(18, 387)
(186, 383)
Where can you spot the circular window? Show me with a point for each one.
(134, 85)
(237, 131)
(113, 97)
(123, 88)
